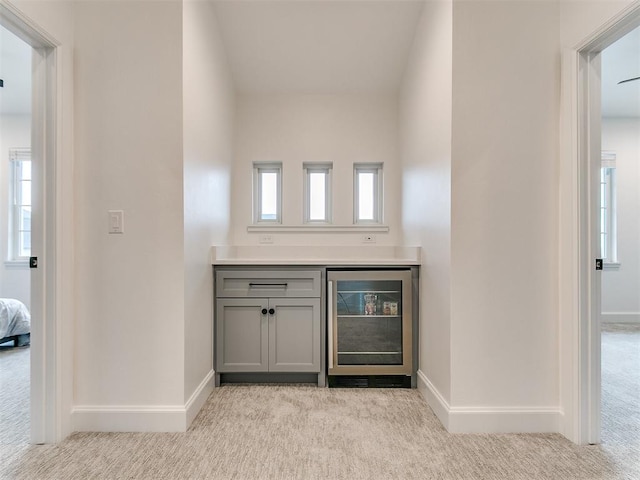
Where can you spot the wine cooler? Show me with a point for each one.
(370, 323)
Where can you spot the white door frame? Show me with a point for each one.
(46, 376)
(581, 244)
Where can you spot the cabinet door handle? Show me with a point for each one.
(263, 285)
(271, 311)
(264, 311)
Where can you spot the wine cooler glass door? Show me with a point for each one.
(371, 329)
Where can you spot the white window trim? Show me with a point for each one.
(16, 156)
(303, 229)
(266, 167)
(308, 169)
(375, 168)
(610, 257)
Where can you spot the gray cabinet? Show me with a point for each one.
(268, 321)
(242, 335)
(294, 335)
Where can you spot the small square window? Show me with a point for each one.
(267, 192)
(317, 192)
(367, 190)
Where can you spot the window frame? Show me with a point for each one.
(322, 167)
(258, 169)
(608, 209)
(378, 196)
(17, 157)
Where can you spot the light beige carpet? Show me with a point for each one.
(289, 432)
(621, 385)
(14, 395)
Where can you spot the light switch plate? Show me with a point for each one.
(116, 221)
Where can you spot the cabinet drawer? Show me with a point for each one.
(267, 283)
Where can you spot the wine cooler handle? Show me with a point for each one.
(330, 322)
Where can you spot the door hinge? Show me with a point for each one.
(33, 262)
(599, 264)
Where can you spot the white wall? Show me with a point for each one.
(621, 287)
(127, 310)
(425, 133)
(580, 20)
(208, 122)
(129, 348)
(129, 301)
(505, 369)
(504, 331)
(298, 128)
(15, 132)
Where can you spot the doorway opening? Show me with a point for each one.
(596, 175)
(15, 237)
(45, 373)
(620, 239)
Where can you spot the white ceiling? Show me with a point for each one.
(324, 46)
(620, 61)
(15, 70)
(318, 46)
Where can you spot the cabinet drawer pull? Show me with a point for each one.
(264, 311)
(271, 311)
(253, 284)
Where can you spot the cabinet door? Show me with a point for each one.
(242, 335)
(294, 335)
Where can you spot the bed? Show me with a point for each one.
(15, 322)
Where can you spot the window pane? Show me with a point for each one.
(607, 213)
(25, 218)
(25, 193)
(26, 170)
(24, 249)
(21, 194)
(269, 201)
(366, 195)
(317, 200)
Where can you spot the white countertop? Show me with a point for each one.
(337, 255)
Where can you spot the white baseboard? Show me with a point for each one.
(504, 420)
(128, 418)
(489, 419)
(435, 400)
(141, 418)
(195, 403)
(620, 317)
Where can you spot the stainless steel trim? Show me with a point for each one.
(369, 353)
(407, 366)
(330, 321)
